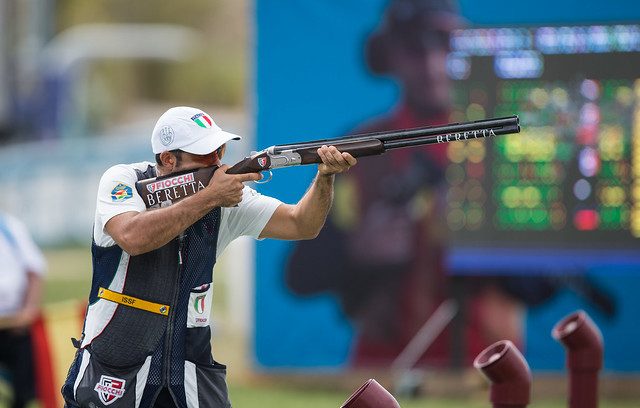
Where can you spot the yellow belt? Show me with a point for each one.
(133, 302)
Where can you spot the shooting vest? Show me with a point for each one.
(158, 335)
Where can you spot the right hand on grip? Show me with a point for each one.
(226, 189)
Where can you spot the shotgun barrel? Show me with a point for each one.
(370, 144)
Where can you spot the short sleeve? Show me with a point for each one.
(116, 195)
(247, 219)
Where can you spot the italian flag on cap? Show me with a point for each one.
(202, 120)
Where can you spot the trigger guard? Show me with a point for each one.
(262, 180)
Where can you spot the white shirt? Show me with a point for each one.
(19, 255)
(117, 194)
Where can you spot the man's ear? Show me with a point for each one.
(167, 159)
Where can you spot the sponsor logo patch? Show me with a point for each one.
(171, 182)
(202, 120)
(200, 306)
(121, 192)
(109, 389)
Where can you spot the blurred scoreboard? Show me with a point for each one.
(570, 181)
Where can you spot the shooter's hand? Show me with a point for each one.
(333, 161)
(226, 189)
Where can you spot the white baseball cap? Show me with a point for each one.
(188, 129)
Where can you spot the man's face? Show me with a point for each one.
(421, 68)
(190, 161)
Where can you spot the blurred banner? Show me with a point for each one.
(55, 100)
(515, 232)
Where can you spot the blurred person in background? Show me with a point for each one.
(146, 341)
(20, 301)
(388, 224)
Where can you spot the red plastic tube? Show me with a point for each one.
(509, 374)
(371, 395)
(583, 342)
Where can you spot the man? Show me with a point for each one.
(146, 339)
(23, 266)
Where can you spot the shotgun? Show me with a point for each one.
(160, 191)
(371, 144)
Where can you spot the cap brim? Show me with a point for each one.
(208, 145)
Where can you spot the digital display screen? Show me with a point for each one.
(571, 178)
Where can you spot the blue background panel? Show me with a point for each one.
(311, 83)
